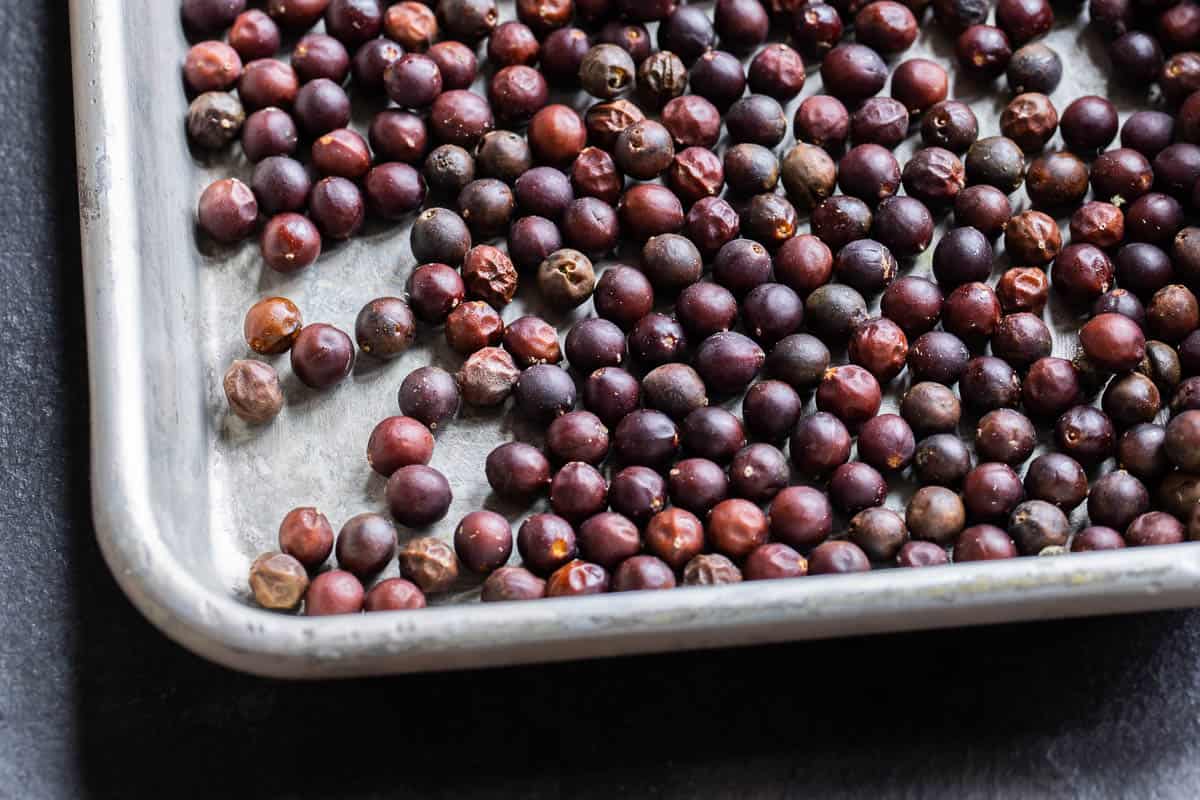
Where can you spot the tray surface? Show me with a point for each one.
(186, 495)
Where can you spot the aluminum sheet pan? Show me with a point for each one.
(185, 495)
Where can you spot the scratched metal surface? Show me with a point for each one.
(186, 495)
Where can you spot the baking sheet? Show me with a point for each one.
(186, 495)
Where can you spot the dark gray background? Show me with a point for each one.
(93, 701)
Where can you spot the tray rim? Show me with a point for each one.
(241, 637)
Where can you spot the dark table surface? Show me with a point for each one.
(94, 701)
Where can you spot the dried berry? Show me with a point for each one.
(253, 391)
(397, 442)
(489, 274)
(430, 563)
(487, 377)
(278, 581)
(566, 278)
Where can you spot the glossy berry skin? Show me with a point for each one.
(214, 120)
(334, 592)
(1057, 479)
(305, 534)
(394, 594)
(920, 84)
(717, 76)
(1182, 441)
(1033, 238)
(991, 491)
(712, 432)
(1021, 338)
(950, 125)
(988, 383)
(962, 255)
(1050, 387)
(280, 184)
(1116, 499)
(1096, 537)
(703, 308)
(397, 442)
(758, 472)
(210, 16)
(817, 28)
(365, 544)
(880, 346)
(211, 67)
(1056, 181)
(801, 517)
(1006, 436)
(856, 486)
(938, 356)
(820, 443)
(1082, 272)
(578, 491)
(913, 303)
(608, 539)
(869, 172)
(983, 207)
(675, 389)
(851, 393)
(880, 532)
(1141, 451)
(1024, 20)
(337, 206)
(1097, 223)
(837, 557)
(517, 471)
(903, 225)
(777, 71)
(771, 409)
(865, 265)
(418, 495)
(546, 542)
(253, 34)
(1121, 176)
(736, 527)
(853, 72)
(611, 393)
(886, 26)
(984, 543)
(646, 438)
(371, 61)
(512, 583)
(728, 361)
(1023, 289)
(886, 442)
(697, 484)
(1086, 434)
(641, 573)
(544, 392)
(1113, 342)
(228, 212)
(430, 395)
(921, 554)
(773, 561)
(322, 356)
(771, 312)
(676, 536)
(983, 51)
(941, 460)
(930, 408)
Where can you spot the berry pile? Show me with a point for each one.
(722, 296)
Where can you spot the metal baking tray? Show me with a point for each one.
(185, 496)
